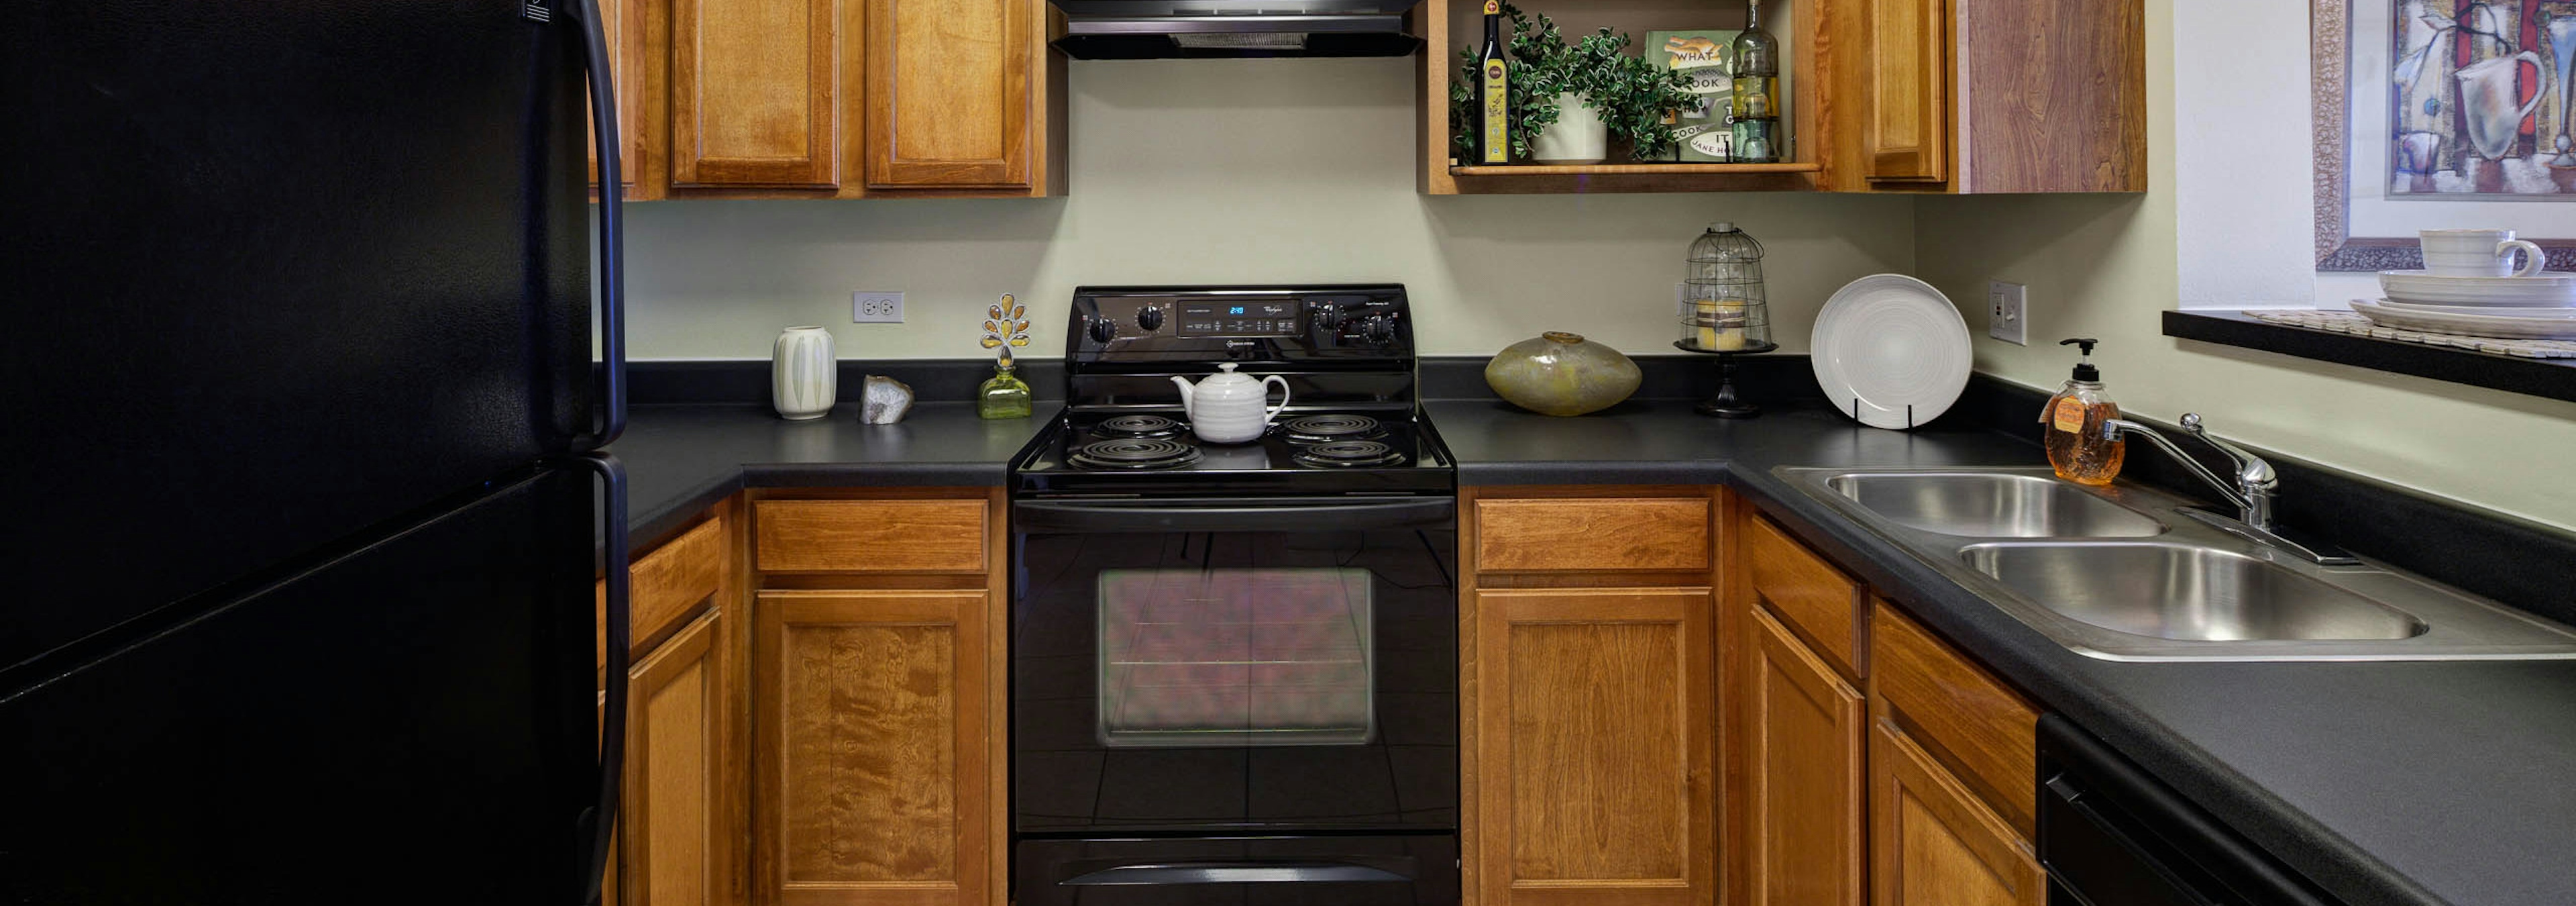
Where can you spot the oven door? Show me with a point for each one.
(1228, 694)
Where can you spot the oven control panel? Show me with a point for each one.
(1164, 324)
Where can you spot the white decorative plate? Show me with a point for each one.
(2498, 326)
(2554, 314)
(1890, 351)
(2547, 289)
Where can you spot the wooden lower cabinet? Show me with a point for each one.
(1804, 736)
(672, 828)
(878, 743)
(1933, 843)
(1594, 731)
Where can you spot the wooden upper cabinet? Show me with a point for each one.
(880, 748)
(623, 23)
(1593, 734)
(1932, 843)
(949, 97)
(1805, 733)
(1907, 138)
(753, 102)
(2052, 95)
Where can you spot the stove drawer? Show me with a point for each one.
(1592, 534)
(870, 536)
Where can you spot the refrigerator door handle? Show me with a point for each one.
(612, 227)
(601, 822)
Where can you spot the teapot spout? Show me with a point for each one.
(1186, 388)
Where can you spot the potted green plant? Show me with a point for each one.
(1560, 91)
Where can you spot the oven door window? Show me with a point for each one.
(1204, 657)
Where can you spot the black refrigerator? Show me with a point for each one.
(311, 345)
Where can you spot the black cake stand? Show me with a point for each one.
(1725, 404)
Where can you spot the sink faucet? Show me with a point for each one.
(2253, 491)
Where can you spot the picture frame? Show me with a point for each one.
(2358, 222)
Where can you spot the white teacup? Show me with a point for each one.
(2478, 253)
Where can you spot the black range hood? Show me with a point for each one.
(1163, 29)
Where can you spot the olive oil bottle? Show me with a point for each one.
(1493, 126)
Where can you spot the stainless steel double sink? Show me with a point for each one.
(2119, 573)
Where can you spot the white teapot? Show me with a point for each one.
(1230, 408)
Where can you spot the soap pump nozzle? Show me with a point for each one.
(2084, 370)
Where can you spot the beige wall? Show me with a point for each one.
(2108, 267)
(1300, 170)
(1228, 170)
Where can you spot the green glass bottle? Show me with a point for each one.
(1756, 120)
(1005, 395)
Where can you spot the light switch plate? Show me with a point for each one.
(867, 307)
(2007, 310)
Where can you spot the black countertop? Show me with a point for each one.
(2386, 783)
(681, 459)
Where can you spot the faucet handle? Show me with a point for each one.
(2191, 423)
(2251, 470)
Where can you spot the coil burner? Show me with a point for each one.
(1135, 453)
(1316, 429)
(1343, 454)
(1137, 426)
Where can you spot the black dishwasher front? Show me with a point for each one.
(2111, 835)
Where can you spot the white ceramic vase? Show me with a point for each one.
(1579, 136)
(801, 373)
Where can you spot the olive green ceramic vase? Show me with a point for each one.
(1560, 373)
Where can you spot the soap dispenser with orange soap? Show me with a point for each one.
(2072, 424)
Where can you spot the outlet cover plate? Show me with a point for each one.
(869, 307)
(2007, 312)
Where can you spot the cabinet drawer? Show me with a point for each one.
(1972, 723)
(871, 536)
(1592, 534)
(667, 587)
(1811, 596)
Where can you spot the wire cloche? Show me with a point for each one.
(1728, 311)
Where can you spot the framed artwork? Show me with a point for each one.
(2432, 114)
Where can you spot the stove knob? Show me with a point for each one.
(1378, 328)
(1328, 314)
(1103, 330)
(1151, 319)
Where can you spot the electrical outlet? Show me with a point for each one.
(2007, 310)
(876, 308)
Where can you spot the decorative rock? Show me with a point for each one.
(884, 401)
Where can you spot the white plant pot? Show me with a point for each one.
(1577, 137)
(802, 375)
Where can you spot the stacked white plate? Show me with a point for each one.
(2538, 307)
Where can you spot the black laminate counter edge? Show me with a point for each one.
(2551, 378)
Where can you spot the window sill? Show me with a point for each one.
(2550, 378)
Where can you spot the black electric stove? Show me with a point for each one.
(1353, 425)
(1234, 666)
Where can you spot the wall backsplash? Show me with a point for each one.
(1194, 171)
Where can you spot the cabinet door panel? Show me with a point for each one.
(1805, 740)
(1595, 736)
(1908, 135)
(948, 93)
(622, 23)
(1932, 843)
(751, 93)
(875, 747)
(670, 825)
